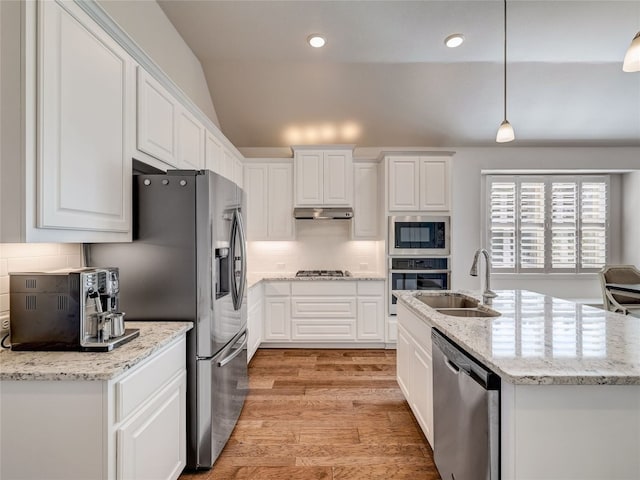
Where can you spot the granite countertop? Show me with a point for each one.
(255, 278)
(91, 365)
(539, 339)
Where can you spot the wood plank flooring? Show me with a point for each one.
(324, 415)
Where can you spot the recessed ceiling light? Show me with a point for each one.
(454, 40)
(316, 40)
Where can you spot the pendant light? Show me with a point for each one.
(632, 58)
(505, 131)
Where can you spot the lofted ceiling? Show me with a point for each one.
(385, 77)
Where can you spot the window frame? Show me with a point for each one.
(548, 180)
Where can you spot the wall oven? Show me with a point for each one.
(419, 235)
(417, 274)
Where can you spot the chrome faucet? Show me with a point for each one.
(487, 294)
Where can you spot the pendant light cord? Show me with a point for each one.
(505, 59)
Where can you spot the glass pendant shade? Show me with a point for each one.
(505, 133)
(632, 58)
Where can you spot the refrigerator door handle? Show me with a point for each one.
(237, 233)
(236, 351)
(243, 254)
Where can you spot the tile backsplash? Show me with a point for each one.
(24, 257)
(318, 245)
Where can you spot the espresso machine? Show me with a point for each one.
(70, 309)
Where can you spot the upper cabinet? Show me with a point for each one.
(269, 189)
(366, 200)
(323, 177)
(166, 130)
(66, 161)
(157, 120)
(419, 183)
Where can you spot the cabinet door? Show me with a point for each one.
(213, 153)
(280, 201)
(277, 319)
(404, 354)
(434, 183)
(366, 202)
(256, 178)
(404, 185)
(238, 177)
(421, 389)
(370, 324)
(309, 182)
(152, 443)
(157, 120)
(337, 178)
(86, 87)
(254, 320)
(190, 141)
(227, 164)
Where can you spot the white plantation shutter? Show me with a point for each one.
(503, 225)
(547, 223)
(532, 216)
(594, 220)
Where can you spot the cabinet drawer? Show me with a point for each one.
(324, 287)
(277, 288)
(371, 287)
(323, 331)
(138, 386)
(323, 307)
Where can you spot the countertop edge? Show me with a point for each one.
(292, 278)
(95, 366)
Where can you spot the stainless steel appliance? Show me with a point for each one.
(417, 274)
(70, 309)
(466, 414)
(323, 213)
(188, 263)
(419, 235)
(323, 273)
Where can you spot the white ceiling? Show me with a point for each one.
(385, 77)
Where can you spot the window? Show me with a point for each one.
(545, 224)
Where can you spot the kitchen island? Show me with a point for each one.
(570, 398)
(88, 415)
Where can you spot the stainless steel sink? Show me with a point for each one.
(448, 301)
(467, 312)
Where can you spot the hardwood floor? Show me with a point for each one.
(324, 414)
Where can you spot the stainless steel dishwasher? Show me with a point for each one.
(466, 411)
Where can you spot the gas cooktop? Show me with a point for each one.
(323, 273)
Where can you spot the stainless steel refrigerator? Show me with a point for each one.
(187, 262)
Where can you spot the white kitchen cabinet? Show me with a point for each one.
(366, 201)
(213, 153)
(324, 312)
(323, 177)
(157, 120)
(238, 174)
(414, 367)
(191, 140)
(419, 183)
(269, 188)
(129, 427)
(66, 152)
(255, 313)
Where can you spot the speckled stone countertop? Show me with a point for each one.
(254, 278)
(91, 365)
(539, 339)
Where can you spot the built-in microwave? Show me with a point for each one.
(419, 235)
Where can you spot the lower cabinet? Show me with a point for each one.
(414, 367)
(127, 428)
(324, 312)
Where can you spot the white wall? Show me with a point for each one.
(149, 27)
(320, 245)
(29, 257)
(467, 218)
(631, 218)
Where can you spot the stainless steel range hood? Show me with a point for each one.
(323, 213)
